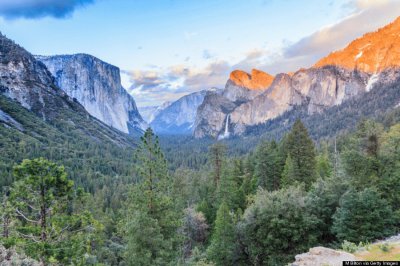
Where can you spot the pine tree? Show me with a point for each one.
(151, 207)
(217, 155)
(269, 165)
(290, 172)
(50, 227)
(324, 165)
(222, 244)
(301, 149)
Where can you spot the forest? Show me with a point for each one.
(152, 205)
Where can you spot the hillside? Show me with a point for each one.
(38, 119)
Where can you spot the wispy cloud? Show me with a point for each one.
(310, 49)
(154, 87)
(32, 9)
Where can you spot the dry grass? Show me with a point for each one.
(374, 252)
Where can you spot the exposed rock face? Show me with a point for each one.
(257, 80)
(362, 65)
(323, 256)
(97, 86)
(28, 81)
(319, 88)
(211, 114)
(371, 53)
(179, 117)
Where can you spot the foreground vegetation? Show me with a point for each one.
(259, 209)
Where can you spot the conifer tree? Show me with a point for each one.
(301, 149)
(269, 165)
(50, 228)
(222, 244)
(151, 208)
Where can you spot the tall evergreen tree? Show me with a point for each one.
(222, 244)
(217, 155)
(50, 227)
(269, 165)
(301, 149)
(151, 208)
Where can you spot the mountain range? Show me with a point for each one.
(253, 99)
(47, 84)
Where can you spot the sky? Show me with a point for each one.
(169, 48)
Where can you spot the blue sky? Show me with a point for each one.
(168, 48)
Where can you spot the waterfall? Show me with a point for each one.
(226, 132)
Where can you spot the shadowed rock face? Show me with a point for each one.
(97, 86)
(28, 81)
(178, 117)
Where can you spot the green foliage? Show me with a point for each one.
(222, 244)
(363, 216)
(385, 247)
(145, 242)
(324, 166)
(270, 160)
(300, 167)
(151, 208)
(50, 220)
(322, 201)
(349, 247)
(277, 226)
(389, 155)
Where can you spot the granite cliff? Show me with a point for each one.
(97, 86)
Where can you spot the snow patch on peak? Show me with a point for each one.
(372, 80)
(358, 55)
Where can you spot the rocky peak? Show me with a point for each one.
(257, 80)
(97, 86)
(372, 53)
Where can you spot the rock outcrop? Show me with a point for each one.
(318, 88)
(257, 80)
(320, 256)
(97, 86)
(212, 113)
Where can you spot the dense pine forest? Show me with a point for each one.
(200, 202)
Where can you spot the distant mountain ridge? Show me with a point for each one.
(97, 86)
(179, 117)
(333, 80)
